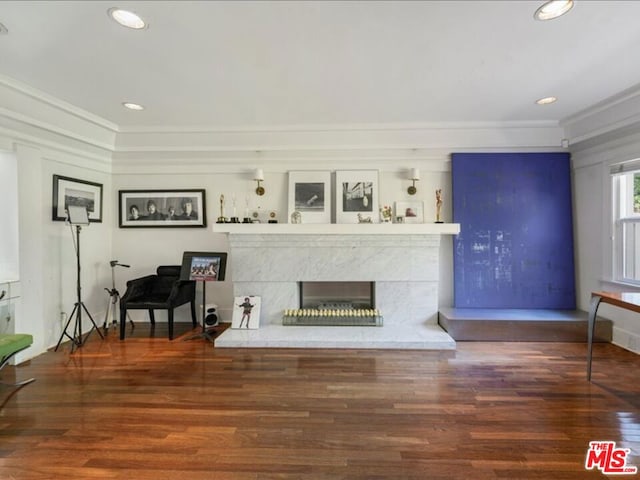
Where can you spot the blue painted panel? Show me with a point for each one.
(515, 247)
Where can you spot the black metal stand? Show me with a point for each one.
(205, 333)
(114, 299)
(76, 340)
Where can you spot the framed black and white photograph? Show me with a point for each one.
(162, 208)
(410, 212)
(310, 195)
(357, 196)
(78, 193)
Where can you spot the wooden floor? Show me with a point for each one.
(150, 409)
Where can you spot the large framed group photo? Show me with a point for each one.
(162, 208)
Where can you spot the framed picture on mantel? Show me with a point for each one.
(310, 196)
(357, 196)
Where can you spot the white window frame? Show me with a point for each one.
(626, 256)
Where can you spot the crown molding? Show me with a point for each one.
(374, 127)
(610, 119)
(56, 103)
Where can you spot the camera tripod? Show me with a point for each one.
(114, 299)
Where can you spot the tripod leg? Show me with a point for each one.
(93, 323)
(105, 324)
(64, 331)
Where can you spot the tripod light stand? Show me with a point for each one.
(77, 216)
(114, 298)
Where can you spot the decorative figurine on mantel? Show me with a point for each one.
(385, 214)
(222, 218)
(234, 217)
(438, 205)
(363, 219)
(246, 218)
(296, 217)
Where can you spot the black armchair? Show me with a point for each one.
(163, 291)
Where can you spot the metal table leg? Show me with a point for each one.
(593, 310)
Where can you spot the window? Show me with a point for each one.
(626, 215)
(9, 218)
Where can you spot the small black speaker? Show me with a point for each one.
(211, 318)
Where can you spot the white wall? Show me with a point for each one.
(146, 248)
(593, 207)
(47, 268)
(9, 264)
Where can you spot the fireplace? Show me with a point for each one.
(395, 265)
(335, 304)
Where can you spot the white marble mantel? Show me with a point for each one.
(338, 228)
(268, 260)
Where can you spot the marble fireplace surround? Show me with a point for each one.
(268, 260)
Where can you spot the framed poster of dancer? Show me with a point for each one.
(246, 312)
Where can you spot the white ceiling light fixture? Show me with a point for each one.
(553, 9)
(546, 100)
(127, 18)
(133, 106)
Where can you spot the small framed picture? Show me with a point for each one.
(76, 193)
(246, 312)
(310, 196)
(357, 196)
(410, 212)
(203, 266)
(162, 208)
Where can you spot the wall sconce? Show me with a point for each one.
(415, 176)
(258, 176)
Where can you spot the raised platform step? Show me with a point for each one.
(520, 325)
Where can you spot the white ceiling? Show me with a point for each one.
(256, 64)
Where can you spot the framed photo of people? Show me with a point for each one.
(246, 312)
(357, 196)
(162, 208)
(310, 196)
(69, 191)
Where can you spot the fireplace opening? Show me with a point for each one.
(335, 303)
(332, 295)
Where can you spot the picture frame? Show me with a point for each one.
(203, 266)
(357, 196)
(76, 192)
(162, 208)
(310, 195)
(410, 212)
(246, 312)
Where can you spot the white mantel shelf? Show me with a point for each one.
(338, 228)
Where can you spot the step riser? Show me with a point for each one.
(463, 327)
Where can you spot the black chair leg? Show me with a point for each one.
(193, 314)
(152, 317)
(123, 322)
(170, 320)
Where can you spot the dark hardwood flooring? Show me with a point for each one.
(149, 409)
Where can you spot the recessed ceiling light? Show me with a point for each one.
(133, 106)
(553, 9)
(127, 18)
(546, 100)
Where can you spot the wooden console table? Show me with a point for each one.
(626, 300)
